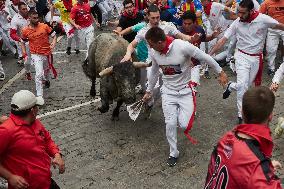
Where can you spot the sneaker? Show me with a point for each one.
(240, 120)
(29, 76)
(68, 50)
(206, 75)
(227, 92)
(2, 76)
(279, 128)
(47, 84)
(172, 161)
(20, 61)
(86, 61)
(270, 72)
(77, 51)
(4, 53)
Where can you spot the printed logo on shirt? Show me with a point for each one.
(228, 150)
(171, 69)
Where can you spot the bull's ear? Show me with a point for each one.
(141, 64)
(106, 71)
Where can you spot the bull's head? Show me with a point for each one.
(125, 78)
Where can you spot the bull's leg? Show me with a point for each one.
(93, 88)
(115, 113)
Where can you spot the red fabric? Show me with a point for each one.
(237, 163)
(140, 4)
(25, 150)
(81, 14)
(252, 16)
(68, 5)
(258, 77)
(14, 35)
(50, 65)
(169, 41)
(130, 16)
(262, 135)
(208, 8)
(191, 8)
(191, 120)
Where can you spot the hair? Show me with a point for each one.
(153, 8)
(189, 15)
(125, 2)
(258, 104)
(21, 4)
(20, 113)
(247, 4)
(32, 12)
(155, 35)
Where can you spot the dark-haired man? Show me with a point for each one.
(250, 30)
(241, 158)
(26, 147)
(37, 34)
(129, 17)
(173, 57)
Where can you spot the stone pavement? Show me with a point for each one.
(100, 153)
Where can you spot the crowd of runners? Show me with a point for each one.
(183, 40)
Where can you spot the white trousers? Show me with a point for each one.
(87, 35)
(40, 63)
(105, 9)
(246, 68)
(1, 68)
(7, 40)
(178, 108)
(272, 42)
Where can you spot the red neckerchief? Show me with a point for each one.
(67, 4)
(252, 16)
(261, 133)
(163, 7)
(208, 8)
(17, 120)
(131, 16)
(140, 4)
(169, 41)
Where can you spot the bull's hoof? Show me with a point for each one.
(115, 118)
(93, 92)
(103, 109)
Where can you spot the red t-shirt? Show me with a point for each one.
(25, 150)
(81, 15)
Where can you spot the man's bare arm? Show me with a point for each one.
(130, 49)
(220, 43)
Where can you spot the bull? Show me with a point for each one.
(117, 80)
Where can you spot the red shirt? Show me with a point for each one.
(81, 15)
(234, 165)
(25, 150)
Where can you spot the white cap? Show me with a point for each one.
(24, 100)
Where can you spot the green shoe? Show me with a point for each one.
(279, 128)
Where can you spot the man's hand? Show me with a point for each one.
(2, 119)
(147, 96)
(126, 58)
(77, 27)
(18, 182)
(117, 32)
(58, 161)
(276, 164)
(223, 79)
(216, 32)
(274, 87)
(194, 38)
(52, 45)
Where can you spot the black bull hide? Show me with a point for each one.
(105, 51)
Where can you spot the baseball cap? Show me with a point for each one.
(24, 100)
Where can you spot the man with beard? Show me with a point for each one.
(37, 34)
(129, 18)
(250, 30)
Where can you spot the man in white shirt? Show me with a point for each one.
(173, 56)
(250, 30)
(18, 22)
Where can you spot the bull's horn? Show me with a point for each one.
(106, 71)
(141, 64)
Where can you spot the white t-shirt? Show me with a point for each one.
(5, 25)
(216, 17)
(279, 74)
(18, 23)
(176, 64)
(251, 36)
(168, 27)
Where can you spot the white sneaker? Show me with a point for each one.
(279, 128)
(2, 76)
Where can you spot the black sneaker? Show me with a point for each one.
(77, 51)
(172, 161)
(20, 61)
(47, 84)
(2, 76)
(85, 62)
(4, 53)
(270, 72)
(207, 75)
(240, 120)
(227, 92)
(68, 51)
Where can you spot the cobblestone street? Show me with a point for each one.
(101, 153)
